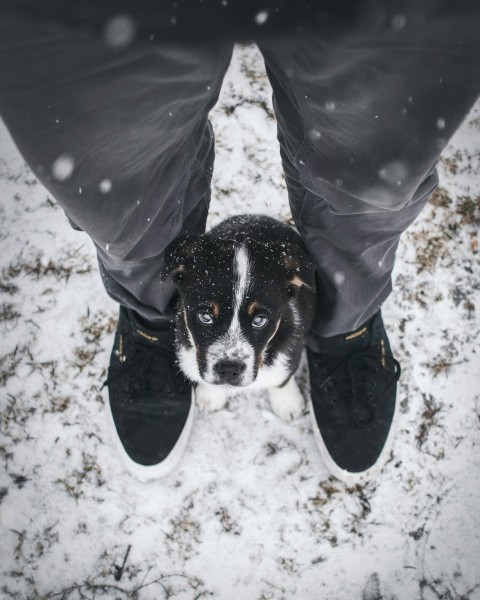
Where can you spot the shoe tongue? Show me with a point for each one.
(359, 336)
(344, 344)
(146, 335)
(152, 335)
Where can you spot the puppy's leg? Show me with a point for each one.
(210, 397)
(287, 402)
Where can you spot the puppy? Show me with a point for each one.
(247, 299)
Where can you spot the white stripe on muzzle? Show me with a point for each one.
(233, 345)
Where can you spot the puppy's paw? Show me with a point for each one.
(287, 402)
(210, 397)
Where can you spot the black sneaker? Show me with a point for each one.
(151, 402)
(353, 381)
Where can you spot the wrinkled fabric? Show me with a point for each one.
(109, 106)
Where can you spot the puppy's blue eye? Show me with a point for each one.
(259, 321)
(205, 317)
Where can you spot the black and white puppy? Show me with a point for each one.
(247, 299)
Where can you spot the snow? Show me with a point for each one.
(120, 31)
(399, 22)
(251, 512)
(62, 167)
(105, 186)
(262, 17)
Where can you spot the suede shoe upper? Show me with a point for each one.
(150, 399)
(353, 391)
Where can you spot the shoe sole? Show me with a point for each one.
(168, 464)
(349, 477)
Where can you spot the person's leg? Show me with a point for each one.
(117, 131)
(119, 135)
(364, 109)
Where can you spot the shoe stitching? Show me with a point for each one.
(150, 338)
(356, 334)
(383, 353)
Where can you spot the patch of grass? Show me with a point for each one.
(469, 210)
(439, 240)
(6, 456)
(459, 295)
(89, 473)
(84, 357)
(16, 412)
(175, 585)
(445, 360)
(420, 296)
(252, 73)
(429, 249)
(332, 495)
(8, 313)
(95, 326)
(18, 480)
(440, 198)
(372, 591)
(469, 307)
(58, 404)
(428, 420)
(443, 590)
(37, 267)
(275, 446)
(43, 366)
(229, 109)
(31, 546)
(359, 493)
(185, 532)
(9, 363)
(327, 490)
(228, 524)
(441, 366)
(9, 288)
(289, 565)
(451, 162)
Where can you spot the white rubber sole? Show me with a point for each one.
(152, 472)
(361, 477)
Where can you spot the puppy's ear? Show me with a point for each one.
(299, 269)
(178, 258)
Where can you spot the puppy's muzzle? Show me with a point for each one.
(229, 371)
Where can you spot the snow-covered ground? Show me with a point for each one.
(251, 512)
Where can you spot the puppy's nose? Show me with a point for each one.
(229, 371)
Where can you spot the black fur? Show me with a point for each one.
(282, 288)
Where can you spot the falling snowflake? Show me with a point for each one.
(105, 186)
(261, 17)
(63, 167)
(119, 31)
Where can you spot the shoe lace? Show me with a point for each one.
(348, 376)
(136, 376)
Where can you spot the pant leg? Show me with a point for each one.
(118, 133)
(364, 110)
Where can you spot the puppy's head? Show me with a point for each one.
(239, 305)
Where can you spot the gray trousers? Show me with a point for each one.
(117, 129)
